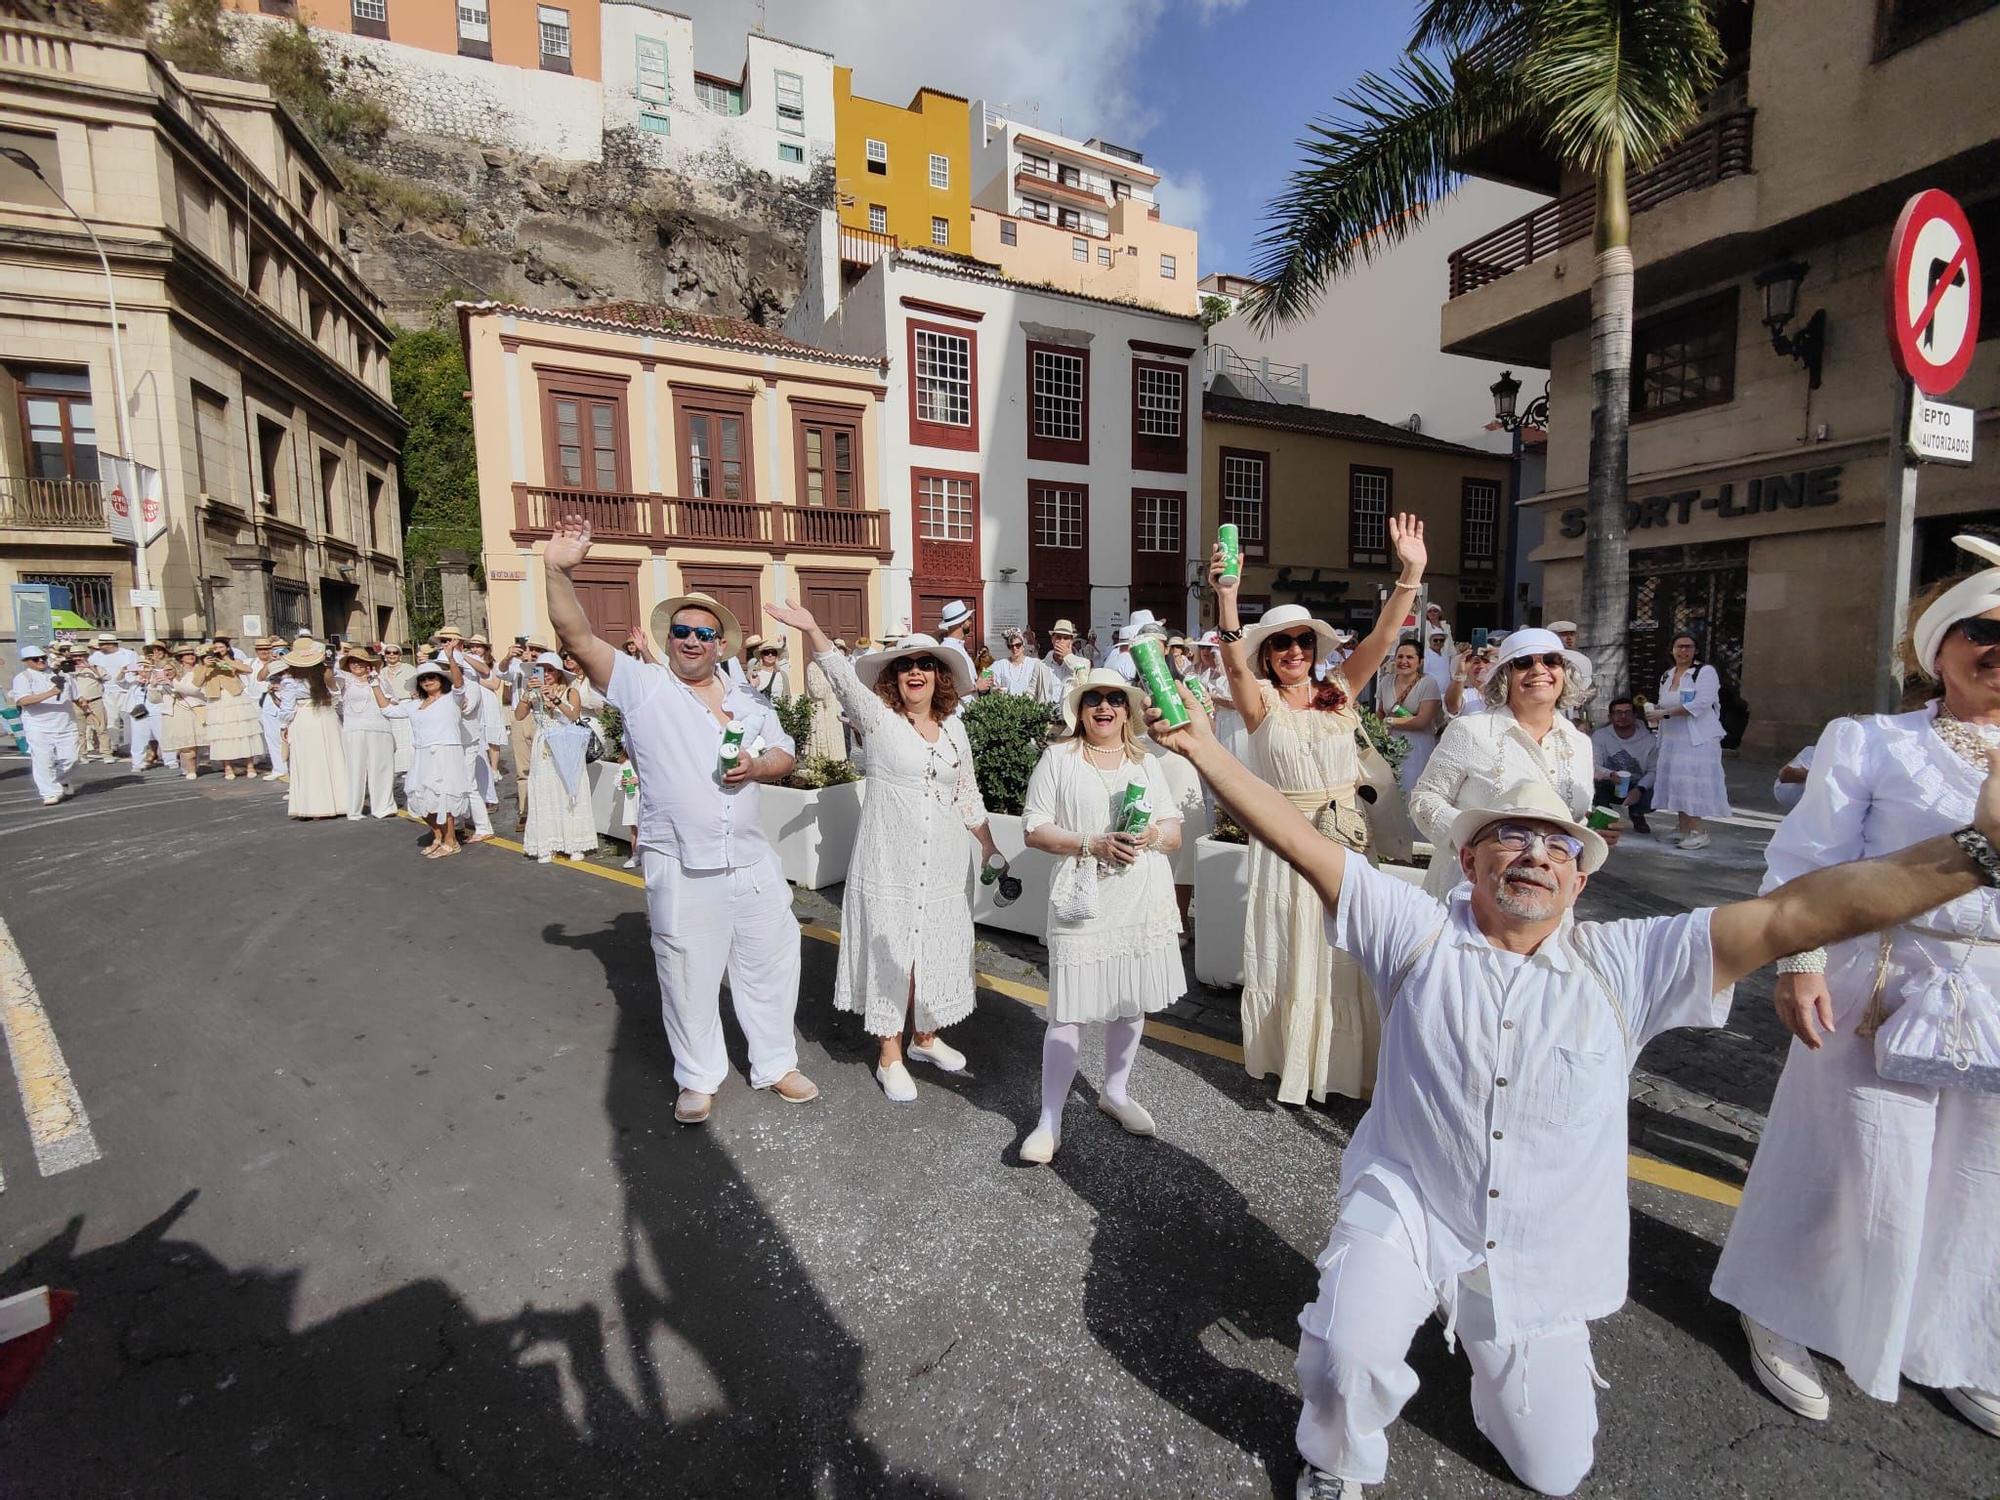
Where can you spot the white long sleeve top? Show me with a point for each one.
(1480, 756)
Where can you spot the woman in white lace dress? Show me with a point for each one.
(1869, 1222)
(906, 914)
(1307, 1012)
(1124, 962)
(1688, 778)
(1525, 735)
(560, 818)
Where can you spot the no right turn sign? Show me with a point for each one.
(1933, 292)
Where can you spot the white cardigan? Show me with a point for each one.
(1479, 757)
(1704, 715)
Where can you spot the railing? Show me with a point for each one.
(863, 247)
(1278, 382)
(722, 523)
(1040, 180)
(1710, 154)
(51, 504)
(613, 517)
(811, 529)
(661, 520)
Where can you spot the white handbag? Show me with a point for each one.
(1073, 890)
(1945, 1034)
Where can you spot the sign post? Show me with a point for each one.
(1931, 303)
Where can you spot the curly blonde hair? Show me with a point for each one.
(1573, 696)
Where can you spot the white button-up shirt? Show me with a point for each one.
(51, 717)
(684, 810)
(1498, 1121)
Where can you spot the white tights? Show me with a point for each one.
(1060, 1049)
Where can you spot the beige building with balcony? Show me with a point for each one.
(256, 355)
(709, 455)
(1757, 494)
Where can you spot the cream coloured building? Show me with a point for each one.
(1756, 497)
(709, 454)
(256, 355)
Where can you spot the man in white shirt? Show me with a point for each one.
(1486, 1182)
(1063, 659)
(1119, 658)
(1437, 659)
(715, 894)
(955, 630)
(1019, 673)
(1624, 747)
(48, 723)
(111, 661)
(1436, 624)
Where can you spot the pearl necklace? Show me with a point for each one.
(1970, 742)
(1117, 750)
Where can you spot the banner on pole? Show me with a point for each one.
(130, 486)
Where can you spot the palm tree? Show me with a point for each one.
(1607, 86)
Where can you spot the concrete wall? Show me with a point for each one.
(432, 26)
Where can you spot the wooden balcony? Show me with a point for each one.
(863, 247)
(664, 521)
(1711, 153)
(51, 504)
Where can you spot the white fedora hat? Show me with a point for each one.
(1104, 680)
(1530, 802)
(1538, 642)
(1283, 620)
(1143, 622)
(869, 668)
(954, 614)
(1062, 627)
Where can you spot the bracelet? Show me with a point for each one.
(1812, 961)
(1979, 849)
(1229, 637)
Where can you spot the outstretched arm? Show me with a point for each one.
(1406, 537)
(564, 550)
(1237, 668)
(1848, 900)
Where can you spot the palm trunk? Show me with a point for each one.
(1607, 570)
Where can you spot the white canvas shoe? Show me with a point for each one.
(1132, 1116)
(1980, 1408)
(1786, 1370)
(1039, 1148)
(1317, 1484)
(939, 1053)
(1696, 840)
(897, 1083)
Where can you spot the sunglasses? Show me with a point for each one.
(1553, 660)
(1305, 640)
(770, 653)
(1979, 632)
(702, 633)
(1092, 698)
(919, 664)
(1518, 838)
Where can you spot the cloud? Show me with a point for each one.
(1208, 10)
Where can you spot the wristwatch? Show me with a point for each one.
(1979, 849)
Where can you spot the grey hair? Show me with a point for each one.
(1575, 692)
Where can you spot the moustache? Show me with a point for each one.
(1539, 879)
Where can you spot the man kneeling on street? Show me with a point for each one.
(1486, 1183)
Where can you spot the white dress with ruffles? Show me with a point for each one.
(1688, 778)
(439, 785)
(1126, 960)
(1869, 1223)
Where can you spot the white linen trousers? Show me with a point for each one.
(708, 923)
(371, 768)
(52, 752)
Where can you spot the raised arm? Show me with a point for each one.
(564, 550)
(861, 706)
(1237, 668)
(1406, 538)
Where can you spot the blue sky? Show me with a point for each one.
(1215, 92)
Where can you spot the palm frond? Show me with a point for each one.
(1634, 71)
(1456, 24)
(1369, 175)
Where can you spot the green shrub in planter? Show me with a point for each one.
(613, 724)
(817, 771)
(795, 717)
(1393, 746)
(1008, 735)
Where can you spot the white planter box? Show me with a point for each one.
(813, 831)
(1029, 915)
(1221, 900)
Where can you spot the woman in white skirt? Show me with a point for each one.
(906, 915)
(560, 819)
(366, 740)
(314, 755)
(1688, 777)
(1123, 962)
(439, 787)
(182, 709)
(233, 734)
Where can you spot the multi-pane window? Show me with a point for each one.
(1058, 401)
(60, 423)
(554, 24)
(1685, 358)
(371, 10)
(828, 465)
(715, 455)
(791, 103)
(1010, 232)
(1036, 166)
(1479, 518)
(655, 123)
(792, 153)
(1068, 218)
(944, 378)
(878, 218)
(586, 434)
(878, 158)
(1368, 511)
(940, 171)
(1080, 250)
(1034, 208)
(718, 97)
(944, 508)
(940, 230)
(1156, 523)
(1244, 494)
(474, 21)
(1058, 518)
(1160, 401)
(1104, 255)
(211, 444)
(1168, 267)
(649, 64)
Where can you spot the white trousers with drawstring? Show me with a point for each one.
(1536, 1400)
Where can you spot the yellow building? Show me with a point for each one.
(903, 171)
(709, 455)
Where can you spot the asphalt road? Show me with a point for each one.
(391, 1203)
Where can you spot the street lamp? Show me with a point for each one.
(1506, 396)
(141, 578)
(1780, 286)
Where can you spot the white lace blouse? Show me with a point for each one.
(1480, 756)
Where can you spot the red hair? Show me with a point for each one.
(1329, 697)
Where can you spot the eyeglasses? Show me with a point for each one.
(1092, 698)
(703, 633)
(1305, 640)
(1979, 632)
(1553, 660)
(1519, 838)
(919, 664)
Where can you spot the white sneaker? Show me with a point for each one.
(1980, 1408)
(632, 863)
(1696, 841)
(1786, 1370)
(51, 801)
(68, 790)
(897, 1083)
(939, 1053)
(1132, 1116)
(1039, 1148)
(1317, 1484)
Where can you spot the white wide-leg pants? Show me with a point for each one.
(114, 717)
(52, 755)
(143, 733)
(479, 776)
(371, 771)
(274, 740)
(1536, 1400)
(708, 923)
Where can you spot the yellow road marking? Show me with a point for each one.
(56, 1120)
(1639, 1168)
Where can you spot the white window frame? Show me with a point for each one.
(944, 378)
(940, 230)
(1104, 255)
(1245, 497)
(475, 21)
(1058, 403)
(557, 29)
(944, 508)
(791, 99)
(877, 153)
(1157, 522)
(798, 160)
(1079, 249)
(940, 172)
(370, 10)
(649, 63)
(878, 218)
(1169, 267)
(1154, 408)
(1058, 518)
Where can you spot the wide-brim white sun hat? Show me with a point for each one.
(1537, 642)
(550, 662)
(869, 668)
(1285, 619)
(1530, 802)
(1105, 681)
(663, 620)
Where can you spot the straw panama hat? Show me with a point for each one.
(663, 619)
(360, 654)
(307, 653)
(869, 668)
(450, 633)
(1534, 802)
(1062, 627)
(1287, 617)
(1104, 680)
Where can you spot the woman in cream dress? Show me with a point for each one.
(233, 733)
(182, 711)
(312, 729)
(560, 819)
(1307, 1012)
